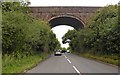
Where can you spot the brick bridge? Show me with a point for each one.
(76, 17)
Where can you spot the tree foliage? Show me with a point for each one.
(102, 36)
(22, 34)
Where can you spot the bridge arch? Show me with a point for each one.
(69, 20)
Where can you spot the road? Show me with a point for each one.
(70, 63)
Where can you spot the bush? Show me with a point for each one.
(23, 34)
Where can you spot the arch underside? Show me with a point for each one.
(73, 22)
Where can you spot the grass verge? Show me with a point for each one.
(19, 65)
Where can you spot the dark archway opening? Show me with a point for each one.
(66, 20)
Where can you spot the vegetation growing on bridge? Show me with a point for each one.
(23, 37)
(101, 37)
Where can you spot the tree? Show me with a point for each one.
(71, 34)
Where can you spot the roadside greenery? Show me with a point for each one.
(13, 65)
(100, 37)
(23, 37)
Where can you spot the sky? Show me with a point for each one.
(62, 29)
(72, 2)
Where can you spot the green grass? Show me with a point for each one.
(14, 65)
(114, 60)
(0, 62)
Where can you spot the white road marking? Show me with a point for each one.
(73, 66)
(76, 70)
(68, 60)
(65, 56)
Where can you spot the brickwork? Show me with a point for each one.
(46, 13)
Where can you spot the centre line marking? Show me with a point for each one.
(76, 70)
(68, 60)
(65, 56)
